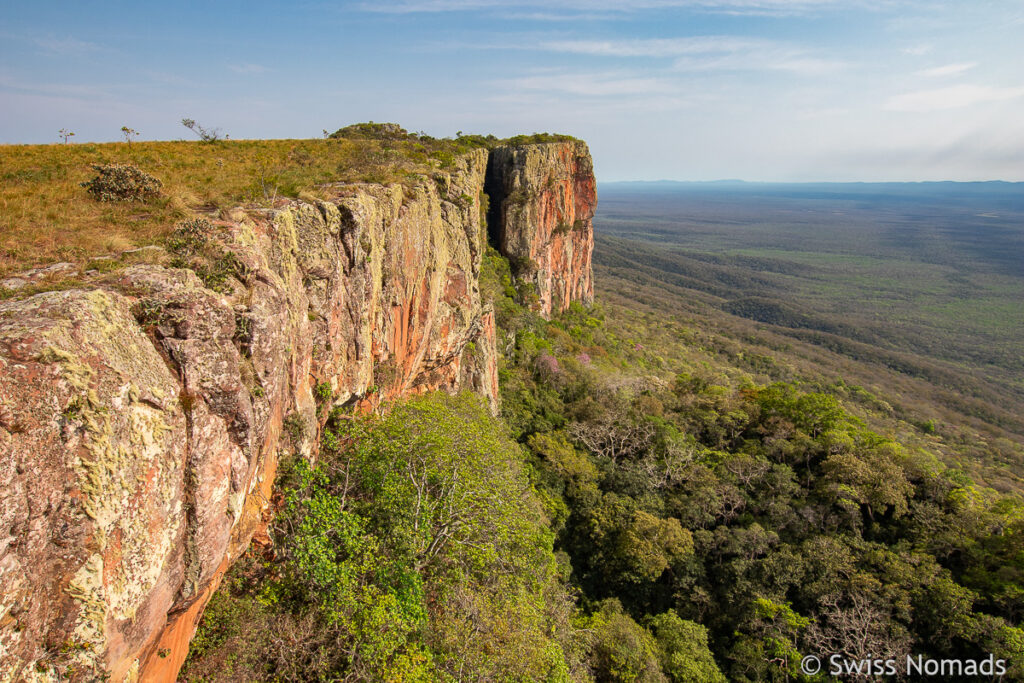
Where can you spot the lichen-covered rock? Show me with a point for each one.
(141, 420)
(543, 198)
(93, 442)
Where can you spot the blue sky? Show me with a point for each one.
(773, 90)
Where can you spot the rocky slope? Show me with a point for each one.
(142, 418)
(543, 200)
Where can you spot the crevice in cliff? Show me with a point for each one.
(494, 188)
(188, 589)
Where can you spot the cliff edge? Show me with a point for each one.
(542, 208)
(142, 417)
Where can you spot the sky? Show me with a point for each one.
(762, 90)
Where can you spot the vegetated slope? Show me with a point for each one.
(807, 524)
(721, 502)
(934, 272)
(919, 279)
(916, 400)
(416, 549)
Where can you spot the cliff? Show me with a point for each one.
(142, 417)
(542, 210)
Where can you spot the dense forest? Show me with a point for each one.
(650, 506)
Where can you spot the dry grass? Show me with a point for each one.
(47, 216)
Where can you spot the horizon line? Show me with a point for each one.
(738, 181)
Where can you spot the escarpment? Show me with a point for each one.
(142, 417)
(542, 210)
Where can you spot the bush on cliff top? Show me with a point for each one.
(121, 183)
(538, 139)
(372, 131)
(393, 131)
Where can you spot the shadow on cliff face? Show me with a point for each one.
(494, 188)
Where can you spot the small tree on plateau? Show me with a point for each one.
(205, 134)
(128, 134)
(64, 133)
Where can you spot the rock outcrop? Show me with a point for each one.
(542, 208)
(142, 419)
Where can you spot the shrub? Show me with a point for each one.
(295, 427)
(538, 138)
(189, 237)
(193, 247)
(128, 134)
(683, 650)
(218, 270)
(622, 650)
(122, 183)
(371, 131)
(546, 366)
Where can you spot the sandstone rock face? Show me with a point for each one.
(543, 198)
(93, 447)
(141, 421)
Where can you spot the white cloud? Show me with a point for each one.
(557, 17)
(248, 68)
(657, 47)
(65, 46)
(614, 84)
(818, 113)
(755, 7)
(706, 53)
(947, 70)
(953, 97)
(83, 91)
(918, 50)
(789, 62)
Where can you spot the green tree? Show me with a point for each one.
(622, 651)
(683, 650)
(444, 490)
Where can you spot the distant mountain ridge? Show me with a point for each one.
(1009, 195)
(735, 182)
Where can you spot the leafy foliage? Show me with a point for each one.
(538, 138)
(419, 550)
(193, 245)
(121, 183)
(622, 650)
(767, 521)
(683, 650)
(372, 131)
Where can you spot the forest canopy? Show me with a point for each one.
(616, 524)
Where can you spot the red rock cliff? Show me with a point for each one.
(543, 199)
(142, 418)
